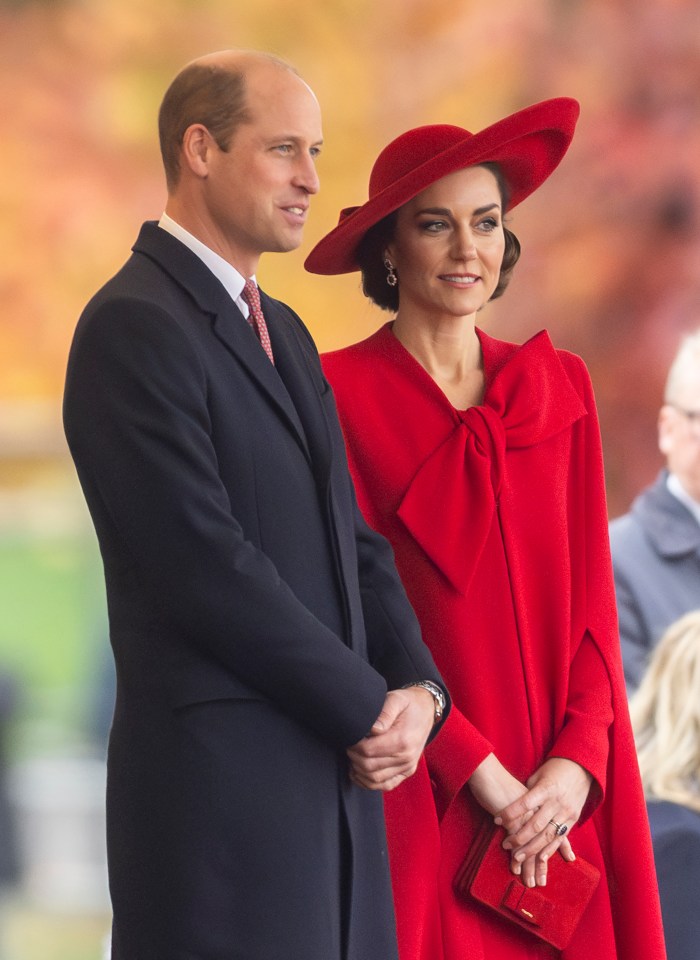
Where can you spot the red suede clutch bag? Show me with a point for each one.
(551, 912)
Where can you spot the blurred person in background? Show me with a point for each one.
(481, 462)
(656, 546)
(665, 714)
(261, 634)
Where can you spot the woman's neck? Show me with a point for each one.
(450, 352)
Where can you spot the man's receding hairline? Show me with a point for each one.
(242, 64)
(240, 61)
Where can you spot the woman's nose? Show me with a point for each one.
(464, 246)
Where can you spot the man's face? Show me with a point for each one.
(679, 434)
(257, 192)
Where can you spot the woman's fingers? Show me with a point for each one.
(566, 850)
(537, 822)
(532, 868)
(541, 846)
(540, 826)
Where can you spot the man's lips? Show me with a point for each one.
(297, 211)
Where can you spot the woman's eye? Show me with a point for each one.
(433, 226)
(489, 224)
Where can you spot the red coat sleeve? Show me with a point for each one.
(589, 714)
(453, 757)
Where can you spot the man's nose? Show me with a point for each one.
(307, 175)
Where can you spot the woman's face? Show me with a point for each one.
(448, 245)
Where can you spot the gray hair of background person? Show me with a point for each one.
(685, 367)
(665, 713)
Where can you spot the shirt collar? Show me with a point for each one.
(231, 279)
(676, 488)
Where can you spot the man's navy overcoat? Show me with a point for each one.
(256, 623)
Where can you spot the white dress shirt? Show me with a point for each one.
(232, 280)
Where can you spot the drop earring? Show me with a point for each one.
(391, 277)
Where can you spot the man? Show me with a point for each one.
(257, 623)
(656, 546)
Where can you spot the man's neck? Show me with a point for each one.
(187, 217)
(231, 278)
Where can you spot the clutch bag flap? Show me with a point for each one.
(551, 912)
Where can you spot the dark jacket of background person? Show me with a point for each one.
(241, 582)
(675, 833)
(665, 712)
(656, 562)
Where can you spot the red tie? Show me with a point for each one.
(251, 295)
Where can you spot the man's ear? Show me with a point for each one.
(197, 144)
(664, 424)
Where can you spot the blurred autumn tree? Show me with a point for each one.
(611, 260)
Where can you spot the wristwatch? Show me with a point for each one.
(435, 692)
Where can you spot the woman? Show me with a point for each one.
(480, 461)
(665, 713)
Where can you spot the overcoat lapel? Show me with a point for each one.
(229, 324)
(304, 384)
(233, 330)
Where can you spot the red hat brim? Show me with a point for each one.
(527, 146)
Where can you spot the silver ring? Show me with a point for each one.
(560, 828)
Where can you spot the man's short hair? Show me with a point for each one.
(206, 93)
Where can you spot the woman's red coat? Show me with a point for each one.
(498, 521)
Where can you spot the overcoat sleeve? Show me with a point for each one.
(632, 571)
(137, 422)
(394, 643)
(635, 642)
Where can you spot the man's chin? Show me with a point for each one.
(287, 244)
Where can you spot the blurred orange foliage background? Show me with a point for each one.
(611, 261)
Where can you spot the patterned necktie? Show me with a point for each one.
(251, 295)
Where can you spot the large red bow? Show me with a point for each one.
(449, 505)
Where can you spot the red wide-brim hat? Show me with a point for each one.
(527, 146)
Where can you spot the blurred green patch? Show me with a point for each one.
(52, 635)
